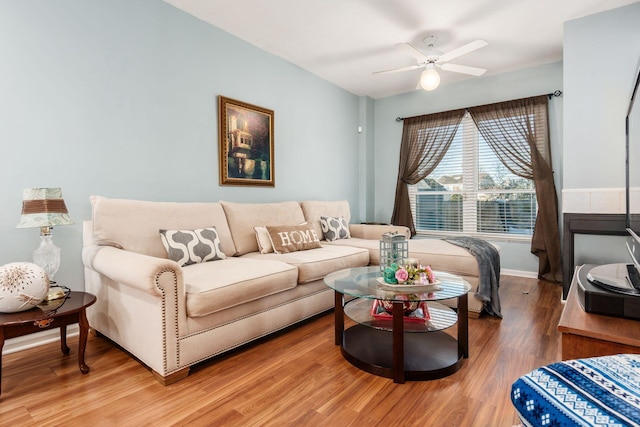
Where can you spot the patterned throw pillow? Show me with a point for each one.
(334, 228)
(292, 238)
(188, 247)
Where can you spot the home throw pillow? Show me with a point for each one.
(188, 247)
(292, 238)
(334, 228)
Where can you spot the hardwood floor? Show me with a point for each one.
(296, 378)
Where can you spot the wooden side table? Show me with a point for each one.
(54, 314)
(590, 335)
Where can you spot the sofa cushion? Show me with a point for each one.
(292, 238)
(314, 209)
(443, 256)
(437, 253)
(314, 264)
(376, 231)
(334, 228)
(373, 246)
(215, 286)
(290, 302)
(133, 224)
(188, 247)
(242, 217)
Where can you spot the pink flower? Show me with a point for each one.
(402, 275)
(430, 275)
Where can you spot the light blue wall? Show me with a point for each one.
(601, 54)
(119, 98)
(366, 140)
(518, 84)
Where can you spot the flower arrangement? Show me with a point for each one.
(410, 274)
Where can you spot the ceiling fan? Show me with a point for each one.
(432, 58)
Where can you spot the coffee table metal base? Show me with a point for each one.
(427, 356)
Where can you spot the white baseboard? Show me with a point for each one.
(519, 273)
(37, 339)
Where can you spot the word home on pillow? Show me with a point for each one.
(293, 238)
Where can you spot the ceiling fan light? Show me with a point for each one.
(429, 79)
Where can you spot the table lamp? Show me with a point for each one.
(44, 208)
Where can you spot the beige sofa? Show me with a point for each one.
(171, 317)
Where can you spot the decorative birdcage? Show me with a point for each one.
(394, 248)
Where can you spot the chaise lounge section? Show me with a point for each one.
(171, 316)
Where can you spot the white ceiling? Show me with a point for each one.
(344, 41)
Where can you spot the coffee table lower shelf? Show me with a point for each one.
(427, 356)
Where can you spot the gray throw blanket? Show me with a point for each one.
(489, 267)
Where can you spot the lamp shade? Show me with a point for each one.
(429, 79)
(43, 207)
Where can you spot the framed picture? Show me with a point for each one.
(246, 144)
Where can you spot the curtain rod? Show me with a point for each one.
(550, 95)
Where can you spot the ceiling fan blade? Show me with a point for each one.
(397, 70)
(474, 71)
(414, 52)
(462, 50)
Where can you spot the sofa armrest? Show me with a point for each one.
(132, 269)
(375, 231)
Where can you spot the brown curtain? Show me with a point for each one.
(425, 140)
(518, 133)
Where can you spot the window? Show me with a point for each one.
(472, 192)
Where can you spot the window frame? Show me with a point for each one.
(470, 139)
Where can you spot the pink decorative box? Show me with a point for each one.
(419, 315)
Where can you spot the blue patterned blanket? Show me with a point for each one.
(600, 391)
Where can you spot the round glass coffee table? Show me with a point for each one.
(391, 342)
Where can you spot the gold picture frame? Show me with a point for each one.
(245, 144)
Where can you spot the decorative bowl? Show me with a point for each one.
(23, 285)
